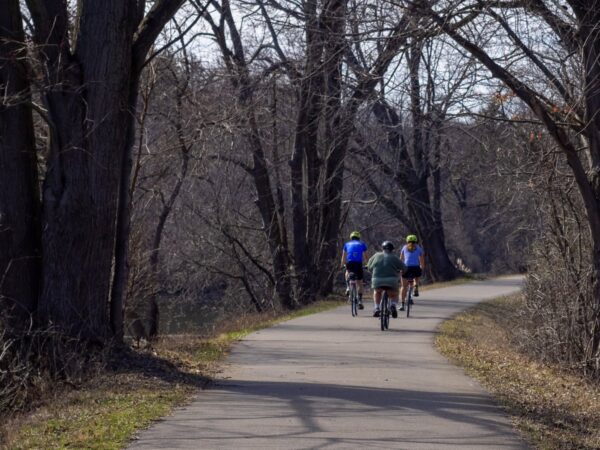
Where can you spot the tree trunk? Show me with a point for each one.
(421, 213)
(154, 311)
(271, 222)
(123, 230)
(148, 29)
(19, 189)
(436, 173)
(237, 67)
(87, 102)
(338, 127)
(439, 267)
(591, 55)
(304, 163)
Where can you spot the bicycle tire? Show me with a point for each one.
(354, 300)
(384, 313)
(409, 300)
(387, 315)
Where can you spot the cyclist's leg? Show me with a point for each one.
(404, 289)
(357, 269)
(416, 275)
(346, 281)
(360, 285)
(377, 293)
(393, 296)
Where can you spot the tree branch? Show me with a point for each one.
(161, 12)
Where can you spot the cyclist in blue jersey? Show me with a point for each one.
(353, 258)
(413, 257)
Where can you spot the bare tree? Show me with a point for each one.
(566, 104)
(326, 109)
(184, 128)
(409, 157)
(88, 87)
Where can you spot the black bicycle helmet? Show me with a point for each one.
(387, 245)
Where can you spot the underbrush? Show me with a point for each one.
(36, 364)
(553, 406)
(561, 309)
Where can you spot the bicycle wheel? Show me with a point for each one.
(384, 314)
(409, 300)
(354, 300)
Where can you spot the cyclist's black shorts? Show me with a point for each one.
(412, 272)
(387, 288)
(356, 268)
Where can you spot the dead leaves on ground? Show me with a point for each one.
(553, 408)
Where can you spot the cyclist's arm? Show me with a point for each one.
(400, 266)
(343, 263)
(370, 263)
(422, 261)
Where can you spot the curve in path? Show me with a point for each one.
(331, 381)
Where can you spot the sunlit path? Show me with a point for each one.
(333, 381)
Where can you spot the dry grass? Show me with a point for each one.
(104, 412)
(553, 408)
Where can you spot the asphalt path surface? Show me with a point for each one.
(331, 381)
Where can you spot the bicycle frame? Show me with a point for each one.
(353, 295)
(411, 285)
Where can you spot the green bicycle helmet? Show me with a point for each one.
(355, 235)
(412, 238)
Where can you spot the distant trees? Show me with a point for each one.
(488, 192)
(303, 245)
(411, 119)
(165, 157)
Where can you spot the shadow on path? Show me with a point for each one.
(316, 404)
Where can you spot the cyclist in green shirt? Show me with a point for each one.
(385, 268)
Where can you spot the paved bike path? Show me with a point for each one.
(331, 381)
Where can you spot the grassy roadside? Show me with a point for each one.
(552, 408)
(137, 388)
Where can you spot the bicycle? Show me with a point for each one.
(353, 294)
(409, 296)
(384, 315)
